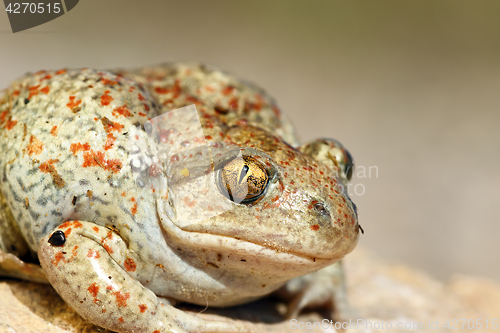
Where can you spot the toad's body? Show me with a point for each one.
(77, 189)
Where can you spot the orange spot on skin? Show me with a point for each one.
(110, 126)
(65, 225)
(106, 99)
(73, 252)
(233, 103)
(10, 123)
(110, 142)
(160, 90)
(92, 158)
(141, 98)
(227, 90)
(93, 254)
(58, 258)
(121, 298)
(281, 186)
(61, 71)
(93, 289)
(67, 232)
(142, 307)
(96, 229)
(121, 110)
(312, 204)
(45, 90)
(134, 206)
(47, 167)
(76, 224)
(108, 248)
(114, 165)
(73, 103)
(123, 194)
(108, 82)
(3, 116)
(35, 146)
(156, 331)
(130, 265)
(315, 227)
(176, 89)
(76, 147)
(46, 77)
(192, 99)
(33, 91)
(53, 131)
(121, 320)
(188, 202)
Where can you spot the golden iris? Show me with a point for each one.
(243, 179)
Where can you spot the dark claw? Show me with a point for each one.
(57, 238)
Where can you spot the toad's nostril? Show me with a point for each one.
(57, 238)
(321, 209)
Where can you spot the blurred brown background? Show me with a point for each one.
(410, 87)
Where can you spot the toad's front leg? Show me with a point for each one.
(90, 268)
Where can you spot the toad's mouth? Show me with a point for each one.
(239, 246)
(266, 259)
(249, 245)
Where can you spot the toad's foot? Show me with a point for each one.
(12, 266)
(322, 289)
(89, 266)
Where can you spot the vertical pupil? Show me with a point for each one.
(243, 173)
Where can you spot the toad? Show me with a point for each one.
(176, 183)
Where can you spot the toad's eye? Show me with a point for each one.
(243, 179)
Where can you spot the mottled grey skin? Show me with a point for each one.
(69, 161)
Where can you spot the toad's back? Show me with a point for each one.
(64, 141)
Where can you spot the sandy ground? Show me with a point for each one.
(410, 87)
(383, 298)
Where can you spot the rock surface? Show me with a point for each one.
(381, 294)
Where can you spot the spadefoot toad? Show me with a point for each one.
(131, 206)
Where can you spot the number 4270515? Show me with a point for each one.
(33, 8)
(470, 324)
